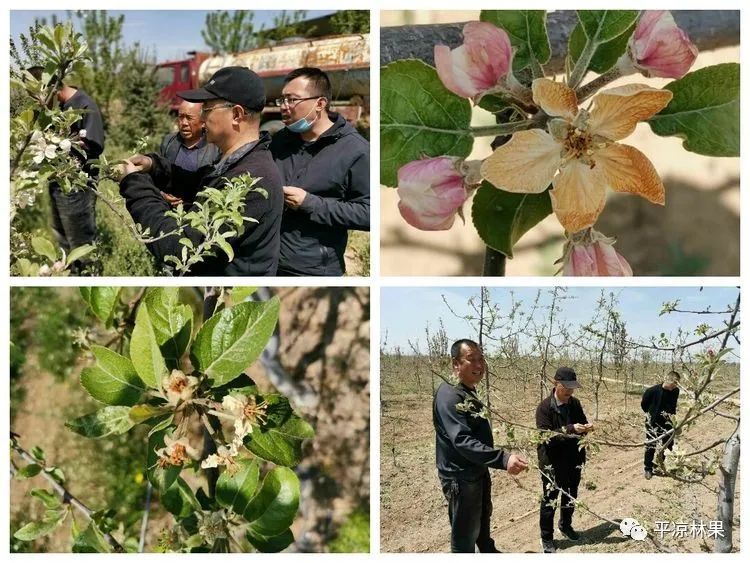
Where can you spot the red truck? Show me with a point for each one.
(345, 58)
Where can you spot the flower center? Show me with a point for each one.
(177, 456)
(255, 412)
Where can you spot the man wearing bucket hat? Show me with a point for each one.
(233, 100)
(560, 458)
(658, 401)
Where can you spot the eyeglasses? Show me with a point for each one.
(291, 102)
(205, 111)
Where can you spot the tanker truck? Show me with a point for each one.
(345, 58)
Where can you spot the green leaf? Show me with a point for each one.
(273, 509)
(501, 218)
(38, 453)
(172, 322)
(233, 339)
(91, 540)
(606, 54)
(272, 544)
(240, 294)
(601, 26)
(31, 470)
(145, 351)
(78, 253)
(112, 380)
(104, 422)
(180, 500)
(33, 530)
(705, 111)
(236, 490)
(226, 248)
(101, 300)
(50, 500)
(142, 413)
(160, 477)
(419, 117)
(527, 30)
(280, 441)
(45, 248)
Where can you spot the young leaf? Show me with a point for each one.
(45, 248)
(145, 351)
(112, 380)
(50, 500)
(142, 413)
(29, 471)
(273, 509)
(527, 30)
(240, 294)
(33, 530)
(78, 253)
(101, 300)
(601, 26)
(502, 218)
(38, 453)
(705, 111)
(233, 339)
(280, 443)
(172, 322)
(419, 117)
(270, 544)
(236, 490)
(104, 422)
(91, 540)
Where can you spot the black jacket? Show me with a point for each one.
(657, 400)
(561, 452)
(256, 250)
(463, 442)
(91, 121)
(170, 145)
(334, 170)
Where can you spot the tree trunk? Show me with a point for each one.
(725, 510)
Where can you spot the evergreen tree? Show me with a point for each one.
(230, 33)
(351, 21)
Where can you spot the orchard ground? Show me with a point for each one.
(413, 511)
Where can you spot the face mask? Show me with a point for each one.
(301, 125)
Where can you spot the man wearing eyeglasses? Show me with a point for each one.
(233, 100)
(325, 166)
(188, 147)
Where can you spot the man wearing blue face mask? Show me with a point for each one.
(325, 165)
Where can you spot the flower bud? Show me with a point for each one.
(594, 255)
(432, 192)
(477, 65)
(659, 48)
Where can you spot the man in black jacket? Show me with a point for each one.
(325, 164)
(658, 401)
(465, 450)
(232, 101)
(561, 458)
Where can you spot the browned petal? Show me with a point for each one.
(626, 169)
(555, 98)
(617, 111)
(578, 196)
(525, 164)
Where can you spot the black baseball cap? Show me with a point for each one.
(567, 377)
(236, 84)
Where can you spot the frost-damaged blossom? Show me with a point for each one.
(212, 526)
(593, 255)
(179, 387)
(176, 452)
(432, 192)
(659, 48)
(243, 411)
(582, 147)
(223, 456)
(477, 65)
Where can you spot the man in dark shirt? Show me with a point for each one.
(658, 401)
(325, 164)
(561, 458)
(465, 450)
(187, 148)
(233, 100)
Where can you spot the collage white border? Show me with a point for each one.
(375, 281)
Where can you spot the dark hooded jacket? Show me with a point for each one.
(334, 170)
(256, 249)
(560, 451)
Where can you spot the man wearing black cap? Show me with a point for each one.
(560, 458)
(233, 100)
(658, 401)
(465, 450)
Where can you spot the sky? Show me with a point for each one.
(168, 34)
(405, 311)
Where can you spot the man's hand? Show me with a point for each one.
(141, 162)
(172, 200)
(516, 464)
(583, 428)
(293, 197)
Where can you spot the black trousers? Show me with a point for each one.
(469, 511)
(566, 478)
(654, 431)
